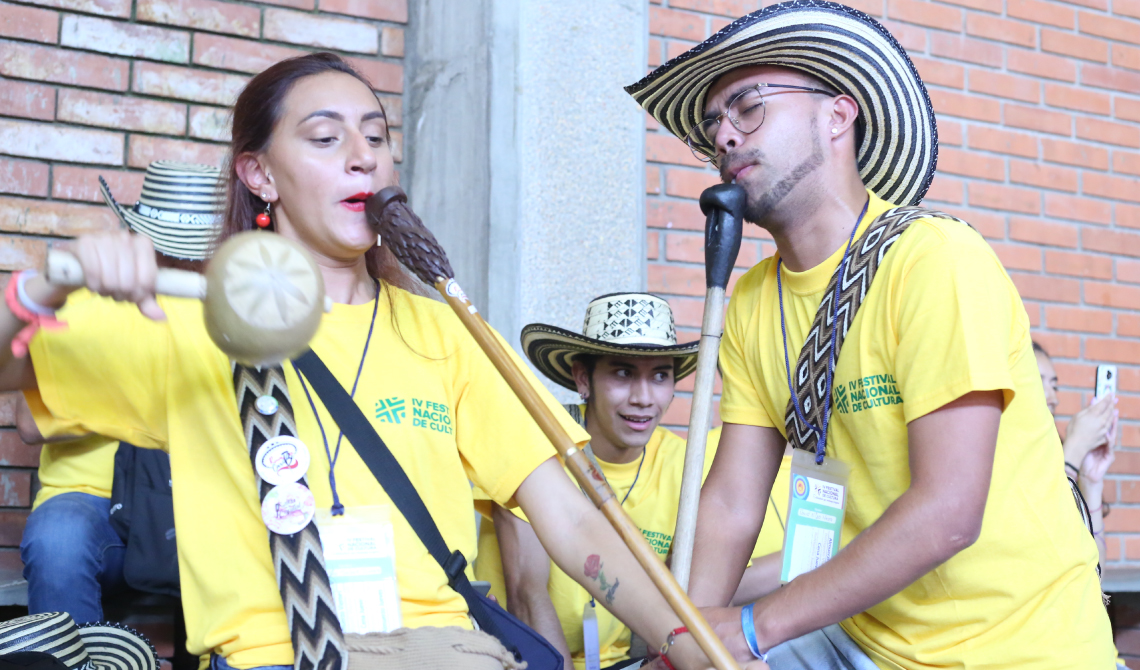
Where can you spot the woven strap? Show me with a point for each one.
(864, 259)
(298, 560)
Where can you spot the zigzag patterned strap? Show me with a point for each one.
(810, 375)
(299, 561)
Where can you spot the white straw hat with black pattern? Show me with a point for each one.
(837, 44)
(93, 646)
(618, 324)
(179, 209)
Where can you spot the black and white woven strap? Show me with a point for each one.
(809, 377)
(298, 560)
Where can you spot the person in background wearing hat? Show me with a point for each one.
(72, 554)
(960, 547)
(624, 366)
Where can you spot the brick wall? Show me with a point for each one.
(104, 87)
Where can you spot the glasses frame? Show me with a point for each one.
(709, 156)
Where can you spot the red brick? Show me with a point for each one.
(125, 39)
(1076, 46)
(1018, 256)
(1041, 65)
(949, 132)
(384, 76)
(1115, 351)
(1043, 232)
(652, 245)
(965, 106)
(1106, 186)
(926, 14)
(939, 72)
(393, 109)
(23, 177)
(1042, 12)
(1074, 153)
(956, 47)
(15, 489)
(653, 55)
(1124, 30)
(210, 123)
(45, 217)
(993, 196)
(660, 148)
(1004, 85)
(945, 189)
(1061, 346)
(1045, 176)
(1123, 161)
(1128, 57)
(120, 112)
(59, 66)
(993, 6)
(381, 10)
(392, 42)
(119, 8)
(1126, 8)
(1127, 109)
(217, 17)
(652, 180)
(1127, 215)
(1033, 311)
(1113, 551)
(687, 311)
(674, 214)
(144, 150)
(729, 8)
(1035, 118)
(674, 48)
(1128, 271)
(676, 280)
(1003, 141)
(21, 253)
(28, 23)
(283, 25)
(79, 183)
(911, 37)
(1002, 30)
(183, 83)
(295, 4)
(1082, 100)
(1129, 492)
(1078, 265)
(54, 142)
(12, 527)
(671, 23)
(967, 164)
(1076, 318)
(1107, 77)
(228, 53)
(690, 248)
(1053, 289)
(689, 183)
(989, 224)
(1110, 132)
(1110, 241)
(30, 101)
(1077, 208)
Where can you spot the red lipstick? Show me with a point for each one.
(356, 202)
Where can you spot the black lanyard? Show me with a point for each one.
(337, 508)
(821, 443)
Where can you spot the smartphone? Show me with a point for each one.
(1105, 380)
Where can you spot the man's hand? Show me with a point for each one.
(725, 622)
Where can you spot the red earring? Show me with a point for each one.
(262, 219)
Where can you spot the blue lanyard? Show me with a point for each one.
(821, 443)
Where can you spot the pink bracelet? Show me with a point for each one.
(35, 321)
(1094, 511)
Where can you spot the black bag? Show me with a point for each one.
(520, 639)
(142, 513)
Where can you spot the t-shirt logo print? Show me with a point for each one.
(391, 410)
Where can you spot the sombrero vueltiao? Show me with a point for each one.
(618, 324)
(837, 44)
(95, 646)
(179, 208)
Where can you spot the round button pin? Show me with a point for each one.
(266, 405)
(282, 460)
(288, 508)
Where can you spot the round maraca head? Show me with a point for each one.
(264, 298)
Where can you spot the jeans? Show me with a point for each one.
(219, 663)
(71, 556)
(829, 648)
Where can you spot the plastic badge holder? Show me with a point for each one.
(590, 643)
(360, 558)
(817, 501)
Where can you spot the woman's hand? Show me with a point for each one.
(1097, 461)
(1089, 429)
(122, 266)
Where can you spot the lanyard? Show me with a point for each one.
(337, 507)
(821, 443)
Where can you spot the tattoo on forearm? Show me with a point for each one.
(595, 571)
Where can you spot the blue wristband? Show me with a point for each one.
(749, 626)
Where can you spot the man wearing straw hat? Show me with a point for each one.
(624, 366)
(891, 348)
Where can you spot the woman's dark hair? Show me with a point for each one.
(1038, 349)
(256, 112)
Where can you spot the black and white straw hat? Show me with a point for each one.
(98, 646)
(179, 208)
(839, 45)
(618, 324)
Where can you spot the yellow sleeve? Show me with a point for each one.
(956, 324)
(740, 398)
(105, 373)
(498, 440)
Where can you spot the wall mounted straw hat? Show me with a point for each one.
(179, 208)
(98, 646)
(837, 44)
(618, 324)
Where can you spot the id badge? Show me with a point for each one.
(590, 643)
(816, 504)
(360, 558)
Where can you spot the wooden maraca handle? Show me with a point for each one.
(63, 269)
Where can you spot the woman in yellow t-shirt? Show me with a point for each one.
(310, 143)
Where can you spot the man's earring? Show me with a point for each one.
(834, 131)
(584, 396)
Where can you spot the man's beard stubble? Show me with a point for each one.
(758, 207)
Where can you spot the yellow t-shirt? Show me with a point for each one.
(84, 465)
(652, 505)
(941, 319)
(165, 385)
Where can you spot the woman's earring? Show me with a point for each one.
(262, 219)
(834, 131)
(584, 396)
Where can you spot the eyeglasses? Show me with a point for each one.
(745, 111)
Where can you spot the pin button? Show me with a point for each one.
(266, 405)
